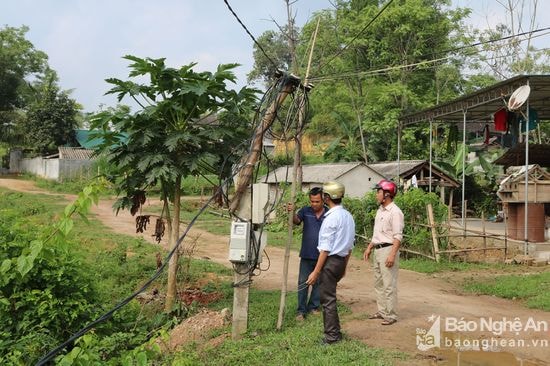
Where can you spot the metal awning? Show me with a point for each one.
(481, 105)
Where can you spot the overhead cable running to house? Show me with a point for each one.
(495, 40)
(250, 34)
(384, 70)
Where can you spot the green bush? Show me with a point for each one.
(44, 294)
(413, 203)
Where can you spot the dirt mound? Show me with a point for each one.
(198, 328)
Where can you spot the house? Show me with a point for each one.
(357, 177)
(67, 163)
(516, 196)
(407, 169)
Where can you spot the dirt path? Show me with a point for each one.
(420, 297)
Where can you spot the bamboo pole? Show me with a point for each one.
(470, 250)
(484, 236)
(417, 253)
(295, 173)
(434, 232)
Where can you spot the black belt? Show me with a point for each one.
(336, 256)
(382, 245)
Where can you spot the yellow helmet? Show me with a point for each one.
(334, 189)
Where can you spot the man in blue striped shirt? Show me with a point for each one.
(312, 217)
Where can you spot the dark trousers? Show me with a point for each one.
(304, 305)
(332, 272)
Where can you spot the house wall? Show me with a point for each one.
(359, 181)
(45, 168)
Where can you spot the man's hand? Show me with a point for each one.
(367, 253)
(312, 278)
(390, 260)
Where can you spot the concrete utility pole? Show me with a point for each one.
(245, 176)
(242, 270)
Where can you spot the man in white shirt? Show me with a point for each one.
(336, 240)
(386, 239)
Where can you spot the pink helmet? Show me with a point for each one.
(388, 186)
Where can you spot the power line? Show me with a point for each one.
(250, 34)
(356, 36)
(495, 40)
(391, 68)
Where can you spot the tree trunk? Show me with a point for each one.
(174, 235)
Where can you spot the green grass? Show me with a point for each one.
(295, 344)
(120, 264)
(429, 266)
(531, 289)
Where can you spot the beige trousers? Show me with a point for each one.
(385, 283)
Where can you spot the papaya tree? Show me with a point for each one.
(172, 135)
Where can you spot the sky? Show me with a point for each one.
(85, 40)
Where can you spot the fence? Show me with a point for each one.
(55, 168)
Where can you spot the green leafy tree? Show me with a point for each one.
(275, 44)
(171, 137)
(19, 60)
(378, 72)
(51, 118)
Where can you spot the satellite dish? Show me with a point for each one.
(519, 96)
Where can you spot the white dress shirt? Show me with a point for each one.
(337, 233)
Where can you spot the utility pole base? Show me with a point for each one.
(240, 301)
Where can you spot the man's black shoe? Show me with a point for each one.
(326, 342)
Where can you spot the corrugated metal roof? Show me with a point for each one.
(407, 168)
(75, 153)
(315, 173)
(482, 104)
(390, 169)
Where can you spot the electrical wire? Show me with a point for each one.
(256, 250)
(321, 65)
(425, 62)
(250, 34)
(109, 313)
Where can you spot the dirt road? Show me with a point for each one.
(421, 296)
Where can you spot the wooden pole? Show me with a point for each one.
(465, 216)
(484, 236)
(434, 232)
(417, 253)
(295, 173)
(504, 213)
(450, 213)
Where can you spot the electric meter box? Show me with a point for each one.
(239, 242)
